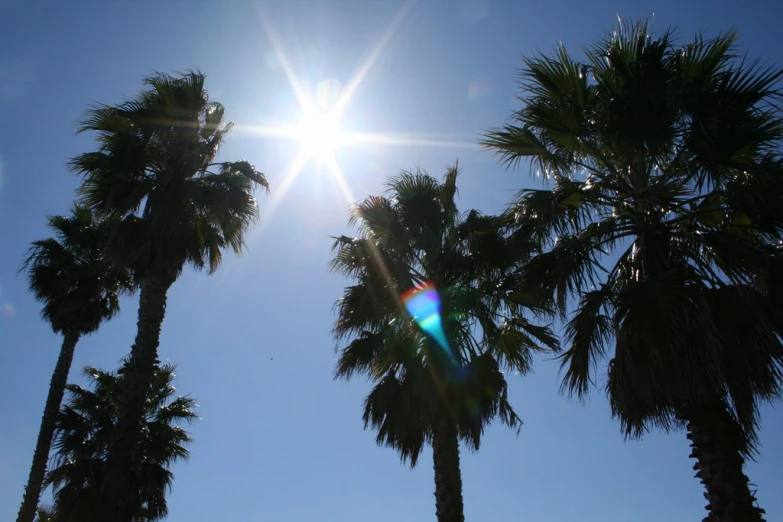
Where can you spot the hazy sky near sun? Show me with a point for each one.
(279, 440)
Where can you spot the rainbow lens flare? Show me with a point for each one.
(8, 310)
(423, 303)
(478, 90)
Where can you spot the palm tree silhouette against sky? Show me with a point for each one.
(154, 171)
(79, 288)
(426, 391)
(661, 226)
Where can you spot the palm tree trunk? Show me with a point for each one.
(138, 373)
(32, 492)
(716, 440)
(448, 478)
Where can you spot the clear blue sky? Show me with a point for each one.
(279, 440)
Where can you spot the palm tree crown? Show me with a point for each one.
(664, 157)
(423, 393)
(155, 170)
(70, 275)
(84, 430)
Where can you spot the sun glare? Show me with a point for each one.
(318, 131)
(319, 134)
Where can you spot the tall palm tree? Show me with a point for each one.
(85, 427)
(664, 210)
(155, 171)
(427, 390)
(79, 289)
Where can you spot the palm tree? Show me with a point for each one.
(430, 388)
(154, 170)
(79, 289)
(665, 208)
(85, 427)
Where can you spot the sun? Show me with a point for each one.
(319, 133)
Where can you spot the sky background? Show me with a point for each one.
(279, 440)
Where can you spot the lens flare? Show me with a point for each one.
(423, 303)
(478, 90)
(7, 309)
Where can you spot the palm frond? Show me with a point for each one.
(588, 334)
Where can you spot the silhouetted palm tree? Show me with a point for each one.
(85, 428)
(427, 390)
(661, 225)
(79, 289)
(155, 170)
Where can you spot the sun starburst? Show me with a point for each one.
(319, 132)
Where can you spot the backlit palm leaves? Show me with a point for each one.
(665, 205)
(412, 235)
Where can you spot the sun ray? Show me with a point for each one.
(368, 63)
(288, 179)
(335, 170)
(277, 46)
(406, 140)
(318, 131)
(272, 131)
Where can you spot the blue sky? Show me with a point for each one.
(279, 439)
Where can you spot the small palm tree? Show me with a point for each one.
(155, 171)
(664, 225)
(427, 390)
(85, 428)
(79, 289)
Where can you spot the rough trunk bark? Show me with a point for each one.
(448, 478)
(32, 492)
(139, 370)
(716, 442)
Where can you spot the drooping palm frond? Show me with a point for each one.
(85, 428)
(406, 404)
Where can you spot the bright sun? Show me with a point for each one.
(319, 134)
